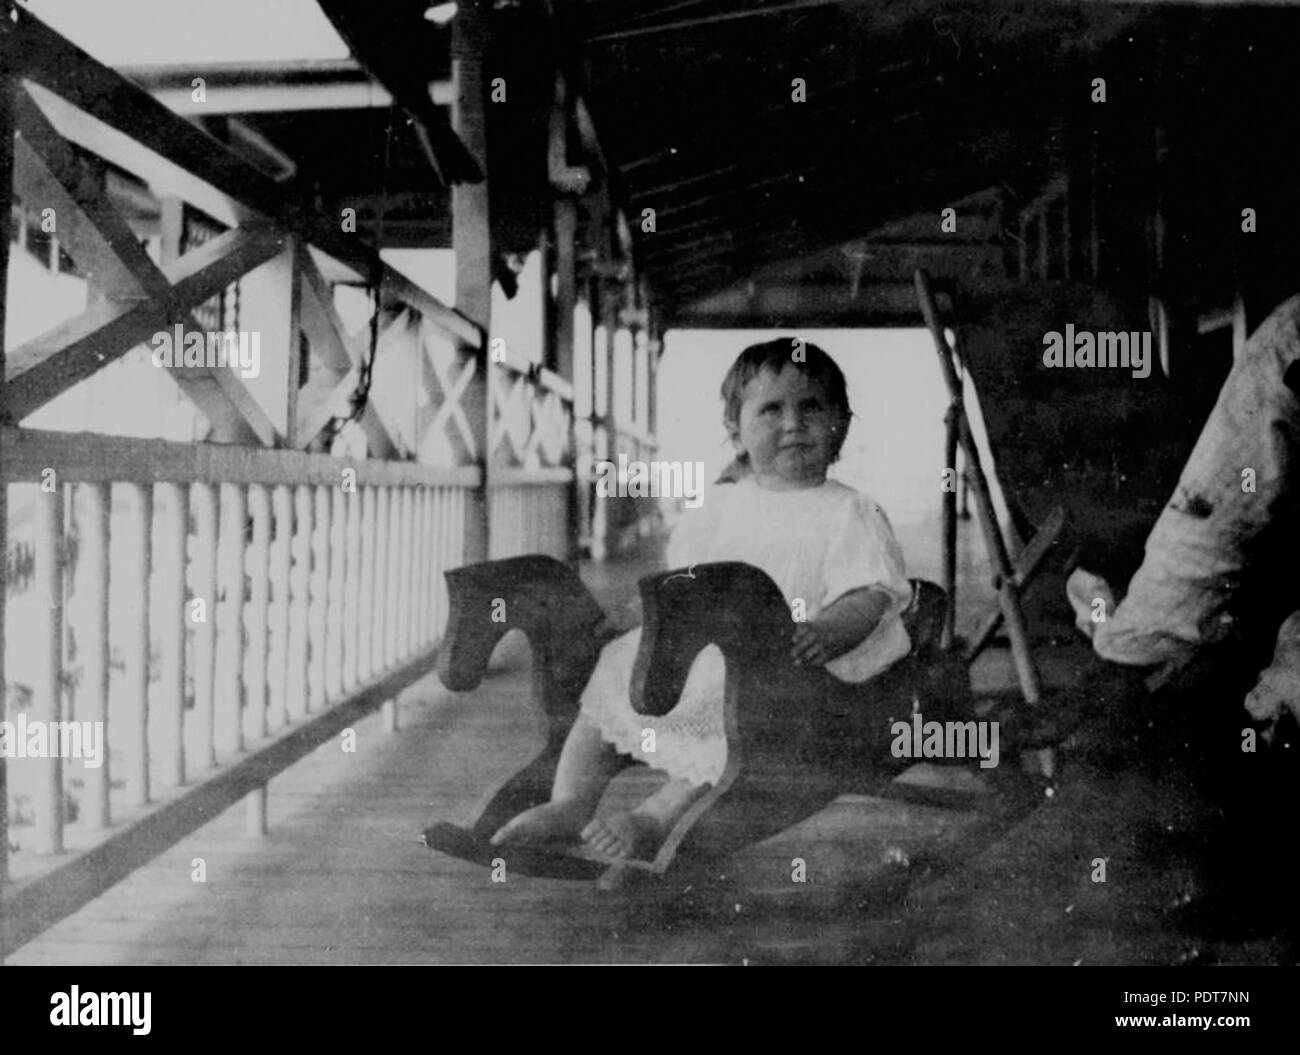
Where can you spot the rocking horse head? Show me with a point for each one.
(729, 604)
(536, 594)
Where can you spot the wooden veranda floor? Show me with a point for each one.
(343, 879)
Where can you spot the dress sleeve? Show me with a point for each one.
(863, 552)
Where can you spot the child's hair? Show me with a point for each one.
(775, 356)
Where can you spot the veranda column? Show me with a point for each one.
(472, 242)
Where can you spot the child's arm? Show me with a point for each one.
(840, 627)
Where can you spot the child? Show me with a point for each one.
(787, 413)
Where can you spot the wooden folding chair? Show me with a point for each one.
(1011, 578)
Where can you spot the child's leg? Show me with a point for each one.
(587, 764)
(639, 832)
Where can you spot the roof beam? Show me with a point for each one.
(792, 305)
(271, 87)
(708, 20)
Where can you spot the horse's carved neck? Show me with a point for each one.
(732, 605)
(545, 599)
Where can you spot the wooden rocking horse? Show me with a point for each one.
(797, 737)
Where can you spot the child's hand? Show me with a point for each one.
(811, 645)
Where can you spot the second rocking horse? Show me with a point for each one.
(796, 737)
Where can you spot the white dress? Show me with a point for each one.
(817, 545)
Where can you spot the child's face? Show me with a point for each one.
(789, 429)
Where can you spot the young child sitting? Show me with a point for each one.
(820, 541)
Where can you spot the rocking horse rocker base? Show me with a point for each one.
(797, 737)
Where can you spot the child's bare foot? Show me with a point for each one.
(633, 834)
(552, 822)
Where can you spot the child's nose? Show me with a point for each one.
(793, 419)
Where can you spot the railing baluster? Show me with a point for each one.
(259, 573)
(203, 498)
(404, 583)
(424, 558)
(278, 657)
(334, 612)
(447, 517)
(173, 533)
(228, 695)
(351, 590)
(391, 616)
(94, 580)
(47, 687)
(437, 503)
(320, 588)
(421, 560)
(365, 664)
(454, 548)
(417, 556)
(135, 650)
(379, 538)
(299, 605)
(442, 524)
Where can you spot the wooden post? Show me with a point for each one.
(7, 87)
(566, 225)
(204, 500)
(950, 530)
(584, 438)
(292, 341)
(471, 238)
(94, 563)
(47, 688)
(602, 411)
(174, 532)
(566, 300)
(654, 351)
